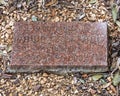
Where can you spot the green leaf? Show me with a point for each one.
(82, 81)
(1, 52)
(116, 79)
(102, 81)
(114, 12)
(106, 85)
(118, 23)
(97, 77)
(3, 2)
(92, 1)
(34, 18)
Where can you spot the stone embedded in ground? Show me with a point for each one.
(59, 47)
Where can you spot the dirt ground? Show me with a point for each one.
(48, 84)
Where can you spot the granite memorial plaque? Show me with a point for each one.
(60, 46)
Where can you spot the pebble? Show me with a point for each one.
(24, 18)
(16, 81)
(6, 35)
(76, 91)
(11, 23)
(37, 88)
(10, 94)
(50, 89)
(56, 19)
(92, 91)
(109, 79)
(91, 17)
(84, 75)
(45, 75)
(74, 81)
(4, 52)
(81, 15)
(43, 81)
(20, 94)
(19, 5)
(2, 47)
(34, 18)
(1, 94)
(3, 23)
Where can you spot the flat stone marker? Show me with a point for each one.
(59, 47)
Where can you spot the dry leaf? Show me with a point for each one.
(116, 79)
(9, 48)
(118, 23)
(114, 12)
(92, 1)
(3, 2)
(106, 85)
(97, 77)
